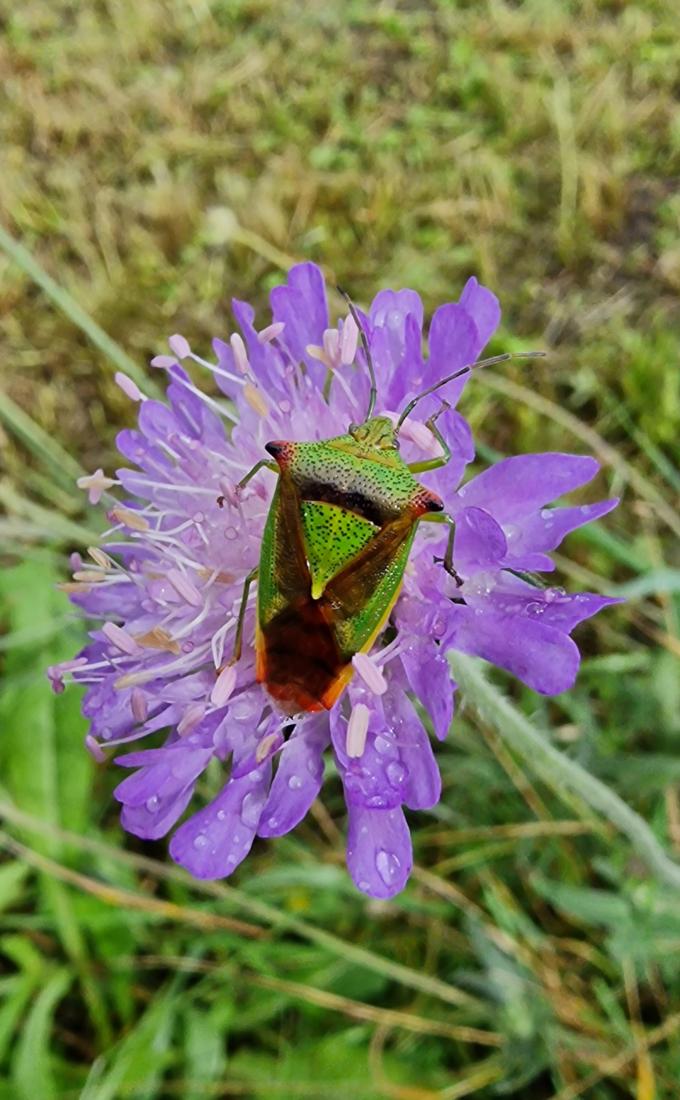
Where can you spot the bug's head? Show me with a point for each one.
(280, 450)
(375, 434)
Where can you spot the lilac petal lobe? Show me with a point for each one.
(298, 778)
(546, 528)
(422, 783)
(516, 486)
(379, 852)
(484, 308)
(479, 542)
(539, 654)
(452, 340)
(429, 678)
(218, 837)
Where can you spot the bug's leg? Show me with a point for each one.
(443, 458)
(447, 560)
(238, 640)
(264, 462)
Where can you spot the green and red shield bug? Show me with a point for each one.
(335, 546)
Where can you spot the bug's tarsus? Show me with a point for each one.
(373, 395)
(467, 369)
(447, 560)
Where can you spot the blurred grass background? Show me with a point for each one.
(156, 158)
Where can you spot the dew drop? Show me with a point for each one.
(535, 608)
(383, 744)
(230, 533)
(585, 509)
(396, 773)
(221, 815)
(387, 865)
(251, 808)
(363, 885)
(273, 822)
(152, 804)
(201, 841)
(295, 782)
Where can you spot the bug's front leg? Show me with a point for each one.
(264, 462)
(238, 640)
(443, 458)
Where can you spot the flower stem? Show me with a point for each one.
(557, 769)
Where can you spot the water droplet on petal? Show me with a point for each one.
(295, 782)
(251, 808)
(201, 841)
(383, 744)
(152, 804)
(221, 815)
(396, 773)
(535, 608)
(363, 885)
(387, 865)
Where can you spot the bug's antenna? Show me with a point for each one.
(467, 369)
(372, 397)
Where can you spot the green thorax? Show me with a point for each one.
(361, 472)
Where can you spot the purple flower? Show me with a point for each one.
(165, 587)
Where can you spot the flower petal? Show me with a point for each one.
(479, 542)
(217, 838)
(453, 340)
(379, 853)
(485, 310)
(301, 305)
(429, 678)
(545, 529)
(422, 783)
(377, 777)
(541, 655)
(298, 778)
(516, 486)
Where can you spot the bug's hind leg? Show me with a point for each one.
(447, 560)
(238, 639)
(443, 458)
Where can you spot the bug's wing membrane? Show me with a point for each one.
(363, 593)
(297, 652)
(284, 573)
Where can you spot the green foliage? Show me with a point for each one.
(157, 158)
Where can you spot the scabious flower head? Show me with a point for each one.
(166, 586)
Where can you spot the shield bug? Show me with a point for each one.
(335, 546)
